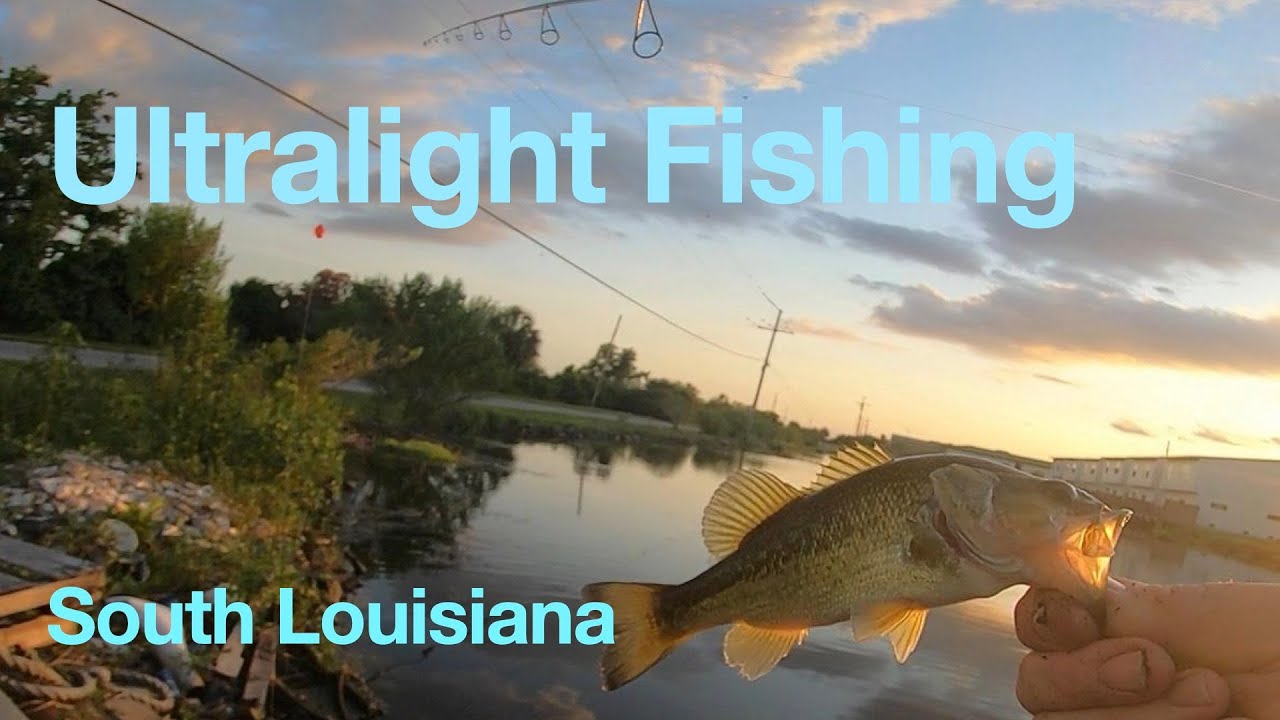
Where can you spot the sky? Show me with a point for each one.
(1148, 319)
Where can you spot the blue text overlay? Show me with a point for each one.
(204, 621)
(786, 157)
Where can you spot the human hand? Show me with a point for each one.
(1175, 652)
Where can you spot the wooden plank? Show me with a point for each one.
(38, 595)
(34, 634)
(9, 709)
(45, 562)
(262, 672)
(230, 660)
(9, 583)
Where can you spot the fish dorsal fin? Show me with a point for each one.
(900, 621)
(848, 461)
(739, 505)
(755, 651)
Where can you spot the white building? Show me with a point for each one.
(1232, 494)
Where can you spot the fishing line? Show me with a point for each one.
(481, 207)
(500, 77)
(688, 247)
(548, 33)
(523, 67)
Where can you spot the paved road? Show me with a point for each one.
(99, 358)
(89, 357)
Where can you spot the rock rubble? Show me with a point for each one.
(83, 487)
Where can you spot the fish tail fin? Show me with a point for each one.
(639, 639)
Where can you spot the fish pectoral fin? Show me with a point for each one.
(848, 461)
(739, 505)
(901, 622)
(755, 651)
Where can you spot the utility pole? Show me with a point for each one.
(773, 334)
(600, 378)
(857, 430)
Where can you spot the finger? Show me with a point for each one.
(1229, 627)
(1254, 695)
(1108, 673)
(1197, 695)
(1051, 621)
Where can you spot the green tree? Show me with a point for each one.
(614, 365)
(675, 402)
(456, 348)
(38, 223)
(256, 311)
(173, 270)
(518, 335)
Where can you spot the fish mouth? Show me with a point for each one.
(1080, 564)
(1089, 550)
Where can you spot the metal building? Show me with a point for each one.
(1236, 495)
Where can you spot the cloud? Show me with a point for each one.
(1191, 11)
(765, 46)
(343, 55)
(807, 326)
(1156, 222)
(1053, 379)
(1130, 427)
(866, 283)
(1024, 319)
(1216, 436)
(1276, 440)
(922, 246)
(270, 209)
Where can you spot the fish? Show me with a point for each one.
(875, 541)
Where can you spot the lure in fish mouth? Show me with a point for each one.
(873, 541)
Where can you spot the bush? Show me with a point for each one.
(257, 426)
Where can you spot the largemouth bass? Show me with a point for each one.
(874, 541)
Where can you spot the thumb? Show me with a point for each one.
(1228, 627)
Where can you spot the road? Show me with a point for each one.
(20, 351)
(89, 357)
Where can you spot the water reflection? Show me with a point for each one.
(411, 512)
(546, 520)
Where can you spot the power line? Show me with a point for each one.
(481, 207)
(1002, 126)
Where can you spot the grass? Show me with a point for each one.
(550, 418)
(432, 452)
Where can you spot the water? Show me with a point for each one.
(563, 517)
